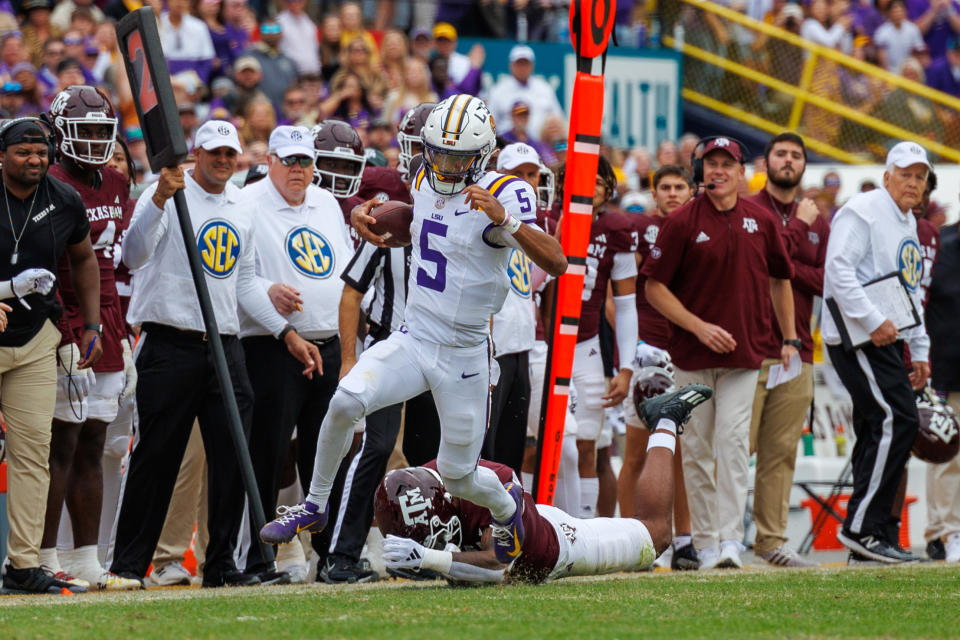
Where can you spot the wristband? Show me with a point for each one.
(793, 343)
(438, 561)
(94, 327)
(287, 329)
(510, 224)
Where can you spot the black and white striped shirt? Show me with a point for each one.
(388, 271)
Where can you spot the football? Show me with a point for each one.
(393, 219)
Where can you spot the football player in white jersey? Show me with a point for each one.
(465, 222)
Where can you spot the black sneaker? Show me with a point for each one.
(874, 548)
(231, 578)
(339, 569)
(410, 574)
(685, 559)
(936, 550)
(676, 405)
(270, 577)
(35, 580)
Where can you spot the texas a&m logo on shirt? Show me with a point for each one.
(310, 253)
(518, 269)
(219, 245)
(750, 225)
(910, 263)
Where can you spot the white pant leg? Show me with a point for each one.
(599, 545)
(115, 448)
(734, 407)
(943, 492)
(104, 401)
(699, 465)
(588, 379)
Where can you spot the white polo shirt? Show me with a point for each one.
(163, 289)
(305, 246)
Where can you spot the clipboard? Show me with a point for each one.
(890, 296)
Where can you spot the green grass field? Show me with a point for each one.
(907, 602)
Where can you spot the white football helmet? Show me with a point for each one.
(546, 188)
(459, 137)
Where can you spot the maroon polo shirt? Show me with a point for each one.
(719, 265)
(807, 246)
(653, 327)
(611, 232)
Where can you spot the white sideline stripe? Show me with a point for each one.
(576, 207)
(568, 330)
(883, 449)
(586, 147)
(561, 390)
(577, 269)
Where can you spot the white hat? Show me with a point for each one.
(522, 52)
(214, 134)
(516, 154)
(292, 141)
(904, 154)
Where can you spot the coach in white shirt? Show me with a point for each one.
(302, 247)
(522, 86)
(180, 384)
(872, 236)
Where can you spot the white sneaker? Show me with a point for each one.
(730, 555)
(784, 556)
(953, 547)
(107, 581)
(709, 558)
(170, 575)
(665, 558)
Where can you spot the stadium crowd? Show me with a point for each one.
(313, 110)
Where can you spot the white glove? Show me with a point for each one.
(71, 380)
(33, 281)
(651, 356)
(129, 371)
(402, 553)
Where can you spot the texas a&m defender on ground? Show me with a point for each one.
(466, 220)
(421, 519)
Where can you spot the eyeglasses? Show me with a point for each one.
(303, 161)
(72, 42)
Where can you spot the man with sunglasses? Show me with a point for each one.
(302, 246)
(176, 379)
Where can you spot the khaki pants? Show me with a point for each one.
(28, 392)
(716, 454)
(778, 417)
(943, 492)
(188, 506)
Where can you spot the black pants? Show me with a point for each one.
(509, 405)
(421, 440)
(885, 421)
(177, 383)
(283, 399)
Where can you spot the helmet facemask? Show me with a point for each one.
(450, 172)
(546, 188)
(443, 533)
(410, 146)
(88, 140)
(339, 172)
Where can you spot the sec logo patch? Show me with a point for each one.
(219, 246)
(310, 253)
(910, 263)
(518, 269)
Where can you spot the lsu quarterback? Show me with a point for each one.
(465, 222)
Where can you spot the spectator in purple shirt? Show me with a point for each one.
(938, 21)
(867, 16)
(211, 12)
(944, 73)
(445, 87)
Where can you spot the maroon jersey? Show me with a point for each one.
(653, 327)
(541, 548)
(122, 272)
(807, 246)
(929, 237)
(611, 232)
(718, 264)
(382, 183)
(105, 206)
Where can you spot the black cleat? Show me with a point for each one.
(231, 578)
(339, 569)
(35, 580)
(936, 550)
(676, 406)
(685, 559)
(874, 548)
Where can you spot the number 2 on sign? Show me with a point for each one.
(436, 282)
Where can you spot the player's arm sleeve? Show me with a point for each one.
(849, 243)
(252, 296)
(464, 567)
(147, 227)
(362, 268)
(625, 307)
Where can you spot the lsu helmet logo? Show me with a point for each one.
(219, 245)
(518, 269)
(310, 253)
(910, 263)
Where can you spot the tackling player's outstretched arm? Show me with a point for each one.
(540, 247)
(463, 566)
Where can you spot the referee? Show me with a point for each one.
(872, 236)
(177, 381)
(301, 246)
(384, 273)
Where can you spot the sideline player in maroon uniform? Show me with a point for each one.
(86, 128)
(715, 262)
(610, 258)
(672, 188)
(778, 413)
(420, 519)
